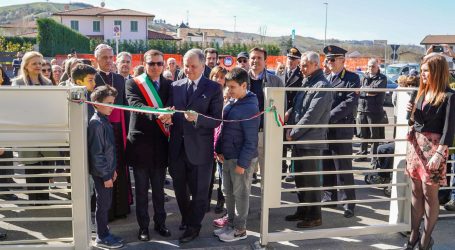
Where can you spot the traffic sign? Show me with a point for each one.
(394, 47)
(117, 31)
(394, 56)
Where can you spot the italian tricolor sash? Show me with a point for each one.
(151, 96)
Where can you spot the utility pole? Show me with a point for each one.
(235, 31)
(187, 17)
(325, 32)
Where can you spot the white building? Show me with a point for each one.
(205, 36)
(97, 22)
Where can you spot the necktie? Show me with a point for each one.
(190, 91)
(156, 85)
(289, 74)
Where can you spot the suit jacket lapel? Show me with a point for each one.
(292, 80)
(200, 89)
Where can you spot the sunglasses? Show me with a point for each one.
(46, 70)
(333, 59)
(151, 64)
(242, 60)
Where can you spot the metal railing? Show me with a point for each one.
(272, 190)
(40, 119)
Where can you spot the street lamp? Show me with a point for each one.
(325, 32)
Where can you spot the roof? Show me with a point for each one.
(438, 39)
(98, 11)
(126, 12)
(182, 25)
(153, 35)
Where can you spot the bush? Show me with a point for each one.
(174, 47)
(15, 44)
(55, 38)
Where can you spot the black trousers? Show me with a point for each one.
(146, 177)
(31, 180)
(339, 164)
(308, 212)
(220, 196)
(385, 162)
(195, 179)
(103, 204)
(370, 132)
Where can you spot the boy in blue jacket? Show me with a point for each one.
(237, 149)
(101, 151)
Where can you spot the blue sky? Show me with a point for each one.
(398, 21)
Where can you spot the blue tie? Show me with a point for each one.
(156, 85)
(190, 91)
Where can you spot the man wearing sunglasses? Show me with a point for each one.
(242, 60)
(344, 107)
(147, 145)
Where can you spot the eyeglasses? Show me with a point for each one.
(151, 64)
(46, 70)
(333, 59)
(242, 60)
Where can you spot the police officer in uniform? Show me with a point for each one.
(343, 110)
(293, 78)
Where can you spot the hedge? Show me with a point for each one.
(174, 47)
(55, 38)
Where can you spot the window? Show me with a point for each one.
(96, 26)
(75, 25)
(119, 23)
(133, 26)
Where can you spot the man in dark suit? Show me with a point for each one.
(147, 146)
(343, 108)
(293, 78)
(191, 141)
(122, 194)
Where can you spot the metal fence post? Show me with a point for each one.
(79, 174)
(400, 210)
(271, 192)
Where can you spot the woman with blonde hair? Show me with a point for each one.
(30, 71)
(432, 132)
(30, 74)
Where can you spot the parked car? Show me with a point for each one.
(394, 71)
(388, 95)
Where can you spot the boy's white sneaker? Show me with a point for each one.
(233, 235)
(220, 231)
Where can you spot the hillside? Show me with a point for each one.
(365, 47)
(27, 12)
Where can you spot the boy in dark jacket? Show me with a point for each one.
(102, 164)
(237, 149)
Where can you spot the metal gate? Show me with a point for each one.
(399, 212)
(41, 119)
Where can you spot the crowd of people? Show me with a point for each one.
(194, 145)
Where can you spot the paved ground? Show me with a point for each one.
(366, 214)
